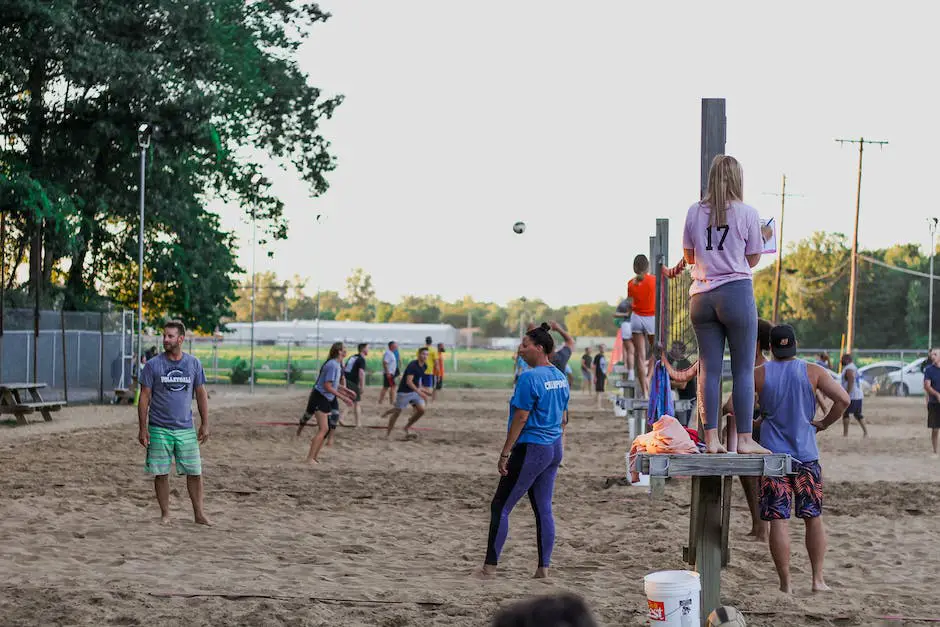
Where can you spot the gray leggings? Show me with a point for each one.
(727, 311)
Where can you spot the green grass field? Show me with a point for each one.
(476, 368)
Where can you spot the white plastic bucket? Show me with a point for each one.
(673, 597)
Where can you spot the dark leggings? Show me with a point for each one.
(728, 311)
(532, 469)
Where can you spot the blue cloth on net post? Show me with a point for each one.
(660, 402)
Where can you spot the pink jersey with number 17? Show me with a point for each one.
(720, 251)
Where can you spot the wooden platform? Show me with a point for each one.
(722, 465)
(709, 517)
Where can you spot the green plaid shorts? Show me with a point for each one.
(167, 444)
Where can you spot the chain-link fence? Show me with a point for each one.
(80, 356)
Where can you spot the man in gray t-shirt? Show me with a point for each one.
(168, 384)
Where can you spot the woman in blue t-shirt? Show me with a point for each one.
(323, 403)
(533, 449)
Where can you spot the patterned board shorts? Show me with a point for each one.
(167, 444)
(776, 493)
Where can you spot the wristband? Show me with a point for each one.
(504, 455)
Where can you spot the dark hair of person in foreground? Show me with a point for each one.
(563, 610)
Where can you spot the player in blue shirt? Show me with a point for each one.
(323, 402)
(533, 449)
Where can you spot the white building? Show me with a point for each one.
(324, 332)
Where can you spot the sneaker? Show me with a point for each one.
(631, 376)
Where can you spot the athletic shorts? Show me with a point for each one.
(408, 398)
(933, 415)
(644, 325)
(169, 444)
(626, 329)
(777, 493)
(427, 381)
(388, 380)
(854, 408)
(320, 403)
(354, 388)
(586, 375)
(599, 383)
(438, 383)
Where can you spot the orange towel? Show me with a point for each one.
(667, 437)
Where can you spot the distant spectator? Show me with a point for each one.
(439, 370)
(823, 360)
(563, 610)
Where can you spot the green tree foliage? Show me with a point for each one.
(891, 310)
(221, 81)
(593, 319)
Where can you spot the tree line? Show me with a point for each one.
(217, 80)
(891, 311)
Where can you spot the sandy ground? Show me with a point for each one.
(388, 533)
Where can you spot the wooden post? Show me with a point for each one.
(708, 548)
(714, 132)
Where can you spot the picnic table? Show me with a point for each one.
(12, 401)
(709, 517)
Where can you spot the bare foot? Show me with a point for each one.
(757, 535)
(820, 586)
(753, 448)
(487, 571)
(712, 443)
(202, 520)
(541, 573)
(311, 461)
(785, 588)
(165, 520)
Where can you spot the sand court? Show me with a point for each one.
(387, 533)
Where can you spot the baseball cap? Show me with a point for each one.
(783, 341)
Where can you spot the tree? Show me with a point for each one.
(220, 80)
(331, 303)
(361, 297)
(592, 320)
(384, 311)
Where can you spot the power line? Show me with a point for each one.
(878, 262)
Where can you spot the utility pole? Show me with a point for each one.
(853, 279)
(783, 202)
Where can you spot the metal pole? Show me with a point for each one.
(251, 368)
(783, 202)
(123, 332)
(101, 357)
(318, 325)
(140, 260)
(933, 232)
(853, 281)
(65, 370)
(3, 274)
(36, 289)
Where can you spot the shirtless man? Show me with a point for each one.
(787, 389)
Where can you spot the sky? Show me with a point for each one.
(583, 120)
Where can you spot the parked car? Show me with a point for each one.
(874, 375)
(908, 380)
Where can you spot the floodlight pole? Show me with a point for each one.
(143, 141)
(251, 366)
